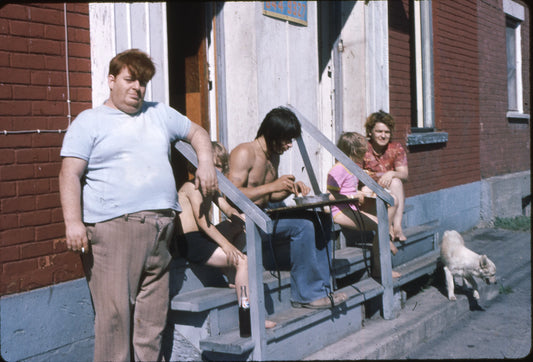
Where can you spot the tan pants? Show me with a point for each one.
(127, 272)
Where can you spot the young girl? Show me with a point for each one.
(342, 183)
(204, 243)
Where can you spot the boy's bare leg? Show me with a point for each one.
(219, 260)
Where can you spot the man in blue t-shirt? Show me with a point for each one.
(119, 202)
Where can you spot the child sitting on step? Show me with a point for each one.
(201, 242)
(341, 183)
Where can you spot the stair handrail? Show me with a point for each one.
(255, 218)
(383, 198)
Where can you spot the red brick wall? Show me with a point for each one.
(33, 96)
(505, 146)
(456, 75)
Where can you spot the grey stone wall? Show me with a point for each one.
(506, 196)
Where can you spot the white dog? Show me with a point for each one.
(460, 261)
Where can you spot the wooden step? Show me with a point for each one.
(308, 329)
(349, 260)
(346, 261)
(421, 240)
(207, 316)
(425, 264)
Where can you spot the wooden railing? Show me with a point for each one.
(257, 219)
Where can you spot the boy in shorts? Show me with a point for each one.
(204, 243)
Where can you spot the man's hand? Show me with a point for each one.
(285, 183)
(70, 174)
(76, 235)
(206, 176)
(301, 188)
(206, 181)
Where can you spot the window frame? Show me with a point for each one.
(424, 132)
(514, 16)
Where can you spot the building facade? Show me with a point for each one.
(455, 75)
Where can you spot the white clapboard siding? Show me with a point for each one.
(116, 27)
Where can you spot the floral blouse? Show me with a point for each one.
(376, 165)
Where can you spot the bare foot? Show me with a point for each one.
(395, 274)
(269, 324)
(232, 286)
(398, 235)
(393, 248)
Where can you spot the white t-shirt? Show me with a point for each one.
(128, 159)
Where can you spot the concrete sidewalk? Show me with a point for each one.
(429, 312)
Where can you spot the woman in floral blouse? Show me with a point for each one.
(386, 163)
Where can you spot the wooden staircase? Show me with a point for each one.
(204, 310)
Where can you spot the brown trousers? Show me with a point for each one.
(127, 272)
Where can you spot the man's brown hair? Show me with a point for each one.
(139, 64)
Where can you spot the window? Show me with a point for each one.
(423, 36)
(513, 65)
(514, 15)
(423, 130)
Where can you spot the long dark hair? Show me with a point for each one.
(280, 124)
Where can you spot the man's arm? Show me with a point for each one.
(241, 162)
(72, 170)
(206, 177)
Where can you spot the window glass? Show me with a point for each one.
(510, 36)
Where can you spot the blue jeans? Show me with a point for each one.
(309, 259)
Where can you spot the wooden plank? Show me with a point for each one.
(349, 260)
(385, 261)
(421, 231)
(362, 291)
(230, 343)
(416, 268)
(203, 299)
(308, 166)
(256, 294)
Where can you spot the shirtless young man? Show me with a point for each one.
(254, 170)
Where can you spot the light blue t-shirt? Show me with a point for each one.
(128, 159)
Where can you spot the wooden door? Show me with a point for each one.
(187, 62)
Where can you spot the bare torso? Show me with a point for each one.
(253, 168)
(188, 222)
